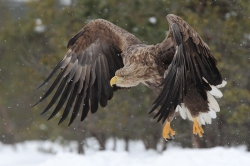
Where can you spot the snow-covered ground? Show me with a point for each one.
(45, 153)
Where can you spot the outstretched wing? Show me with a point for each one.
(91, 61)
(193, 63)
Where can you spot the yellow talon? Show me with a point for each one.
(197, 129)
(113, 81)
(168, 133)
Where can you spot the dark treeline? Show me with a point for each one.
(33, 38)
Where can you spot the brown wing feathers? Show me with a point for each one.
(92, 60)
(192, 61)
(198, 50)
(174, 83)
(84, 78)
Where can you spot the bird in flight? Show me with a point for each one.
(103, 58)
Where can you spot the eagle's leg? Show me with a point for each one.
(168, 133)
(197, 129)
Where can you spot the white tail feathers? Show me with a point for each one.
(201, 120)
(224, 83)
(212, 103)
(212, 113)
(184, 112)
(205, 117)
(215, 92)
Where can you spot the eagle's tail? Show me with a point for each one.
(205, 117)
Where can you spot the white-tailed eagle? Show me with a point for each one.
(103, 58)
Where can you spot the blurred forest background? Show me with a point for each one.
(33, 38)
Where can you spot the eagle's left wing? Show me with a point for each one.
(193, 64)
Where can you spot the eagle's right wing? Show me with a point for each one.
(93, 57)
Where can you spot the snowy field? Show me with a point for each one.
(44, 153)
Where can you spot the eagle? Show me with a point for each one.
(103, 58)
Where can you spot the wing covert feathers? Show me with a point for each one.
(191, 63)
(104, 31)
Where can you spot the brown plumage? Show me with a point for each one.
(181, 70)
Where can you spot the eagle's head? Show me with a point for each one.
(138, 67)
(130, 76)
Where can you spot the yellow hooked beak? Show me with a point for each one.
(113, 81)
